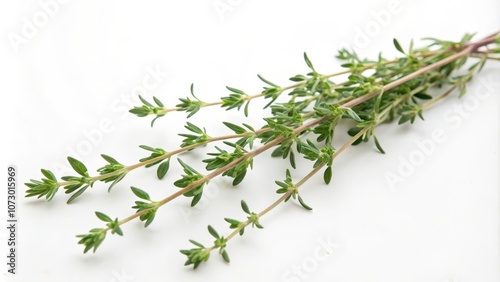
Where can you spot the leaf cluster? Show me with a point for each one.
(191, 177)
(147, 209)
(96, 236)
(287, 186)
(156, 157)
(148, 108)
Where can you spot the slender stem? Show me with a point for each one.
(248, 222)
(485, 41)
(219, 171)
(313, 172)
(383, 114)
(212, 104)
(337, 152)
(166, 156)
(297, 185)
(480, 55)
(303, 127)
(446, 93)
(299, 84)
(467, 50)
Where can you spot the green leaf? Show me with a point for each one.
(163, 169)
(158, 102)
(292, 159)
(248, 126)
(150, 219)
(404, 118)
(103, 217)
(78, 166)
(304, 205)
(234, 223)
(187, 168)
(298, 78)
(398, 46)
(353, 115)
(423, 96)
(463, 90)
(225, 256)
(116, 229)
(140, 111)
(196, 199)
(147, 148)
(282, 184)
(308, 62)
(49, 174)
(267, 81)
(419, 113)
(377, 144)
(77, 194)
(118, 179)
(145, 102)
(376, 107)
(235, 90)
(278, 152)
(93, 239)
(212, 232)
(191, 89)
(109, 159)
(193, 128)
(245, 110)
(237, 129)
(244, 206)
(153, 120)
(72, 187)
(353, 131)
(327, 176)
(411, 47)
(140, 193)
(237, 180)
(196, 243)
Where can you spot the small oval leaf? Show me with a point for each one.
(304, 205)
(49, 174)
(78, 166)
(140, 193)
(244, 206)
(163, 169)
(398, 46)
(212, 232)
(103, 217)
(377, 144)
(327, 176)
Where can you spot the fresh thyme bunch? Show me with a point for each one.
(365, 94)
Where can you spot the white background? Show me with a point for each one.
(84, 66)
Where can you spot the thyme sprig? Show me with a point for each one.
(367, 94)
